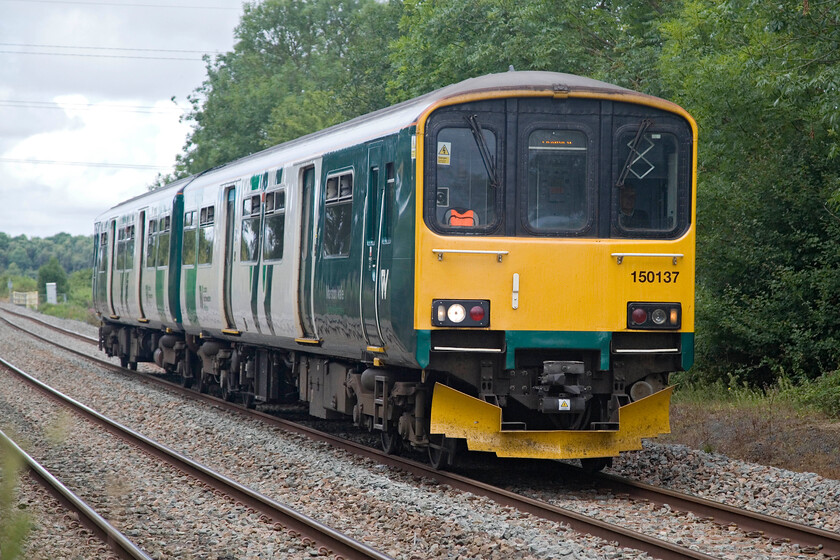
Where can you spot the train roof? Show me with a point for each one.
(388, 120)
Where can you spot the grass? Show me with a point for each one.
(70, 310)
(14, 524)
(787, 426)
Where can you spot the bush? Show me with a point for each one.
(822, 394)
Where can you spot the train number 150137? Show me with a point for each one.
(654, 277)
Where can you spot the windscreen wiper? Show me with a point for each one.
(634, 145)
(486, 157)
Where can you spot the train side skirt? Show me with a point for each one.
(458, 415)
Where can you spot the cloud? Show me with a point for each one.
(68, 102)
(50, 197)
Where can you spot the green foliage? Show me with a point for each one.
(24, 256)
(79, 304)
(752, 75)
(445, 42)
(52, 272)
(19, 283)
(14, 524)
(79, 288)
(293, 71)
(822, 394)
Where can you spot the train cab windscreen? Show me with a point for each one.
(465, 194)
(548, 171)
(557, 185)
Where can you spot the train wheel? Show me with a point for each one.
(204, 383)
(228, 393)
(391, 442)
(132, 366)
(123, 361)
(441, 451)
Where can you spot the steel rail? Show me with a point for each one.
(331, 540)
(68, 332)
(657, 548)
(810, 538)
(98, 525)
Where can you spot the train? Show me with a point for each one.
(502, 265)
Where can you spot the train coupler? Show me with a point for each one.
(565, 386)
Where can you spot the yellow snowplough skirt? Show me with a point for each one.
(458, 415)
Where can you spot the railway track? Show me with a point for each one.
(330, 541)
(121, 545)
(809, 539)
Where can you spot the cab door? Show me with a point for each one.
(372, 249)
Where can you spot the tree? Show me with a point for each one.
(445, 42)
(280, 81)
(52, 272)
(759, 77)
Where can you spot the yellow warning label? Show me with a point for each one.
(565, 404)
(444, 152)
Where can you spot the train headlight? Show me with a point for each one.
(658, 316)
(644, 315)
(456, 313)
(460, 313)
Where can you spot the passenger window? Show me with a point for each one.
(190, 238)
(275, 224)
(127, 248)
(339, 212)
(557, 181)
(205, 235)
(465, 196)
(151, 238)
(162, 259)
(250, 238)
(646, 187)
(103, 252)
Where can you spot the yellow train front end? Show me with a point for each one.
(554, 266)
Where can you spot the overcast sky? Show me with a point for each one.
(86, 116)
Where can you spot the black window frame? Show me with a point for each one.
(344, 203)
(274, 212)
(560, 122)
(251, 222)
(683, 138)
(190, 229)
(491, 117)
(206, 221)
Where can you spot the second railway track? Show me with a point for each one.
(327, 539)
(808, 541)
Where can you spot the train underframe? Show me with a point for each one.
(548, 390)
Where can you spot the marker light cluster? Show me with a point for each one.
(654, 315)
(460, 313)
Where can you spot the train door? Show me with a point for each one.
(112, 244)
(307, 265)
(230, 222)
(138, 262)
(369, 281)
(100, 277)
